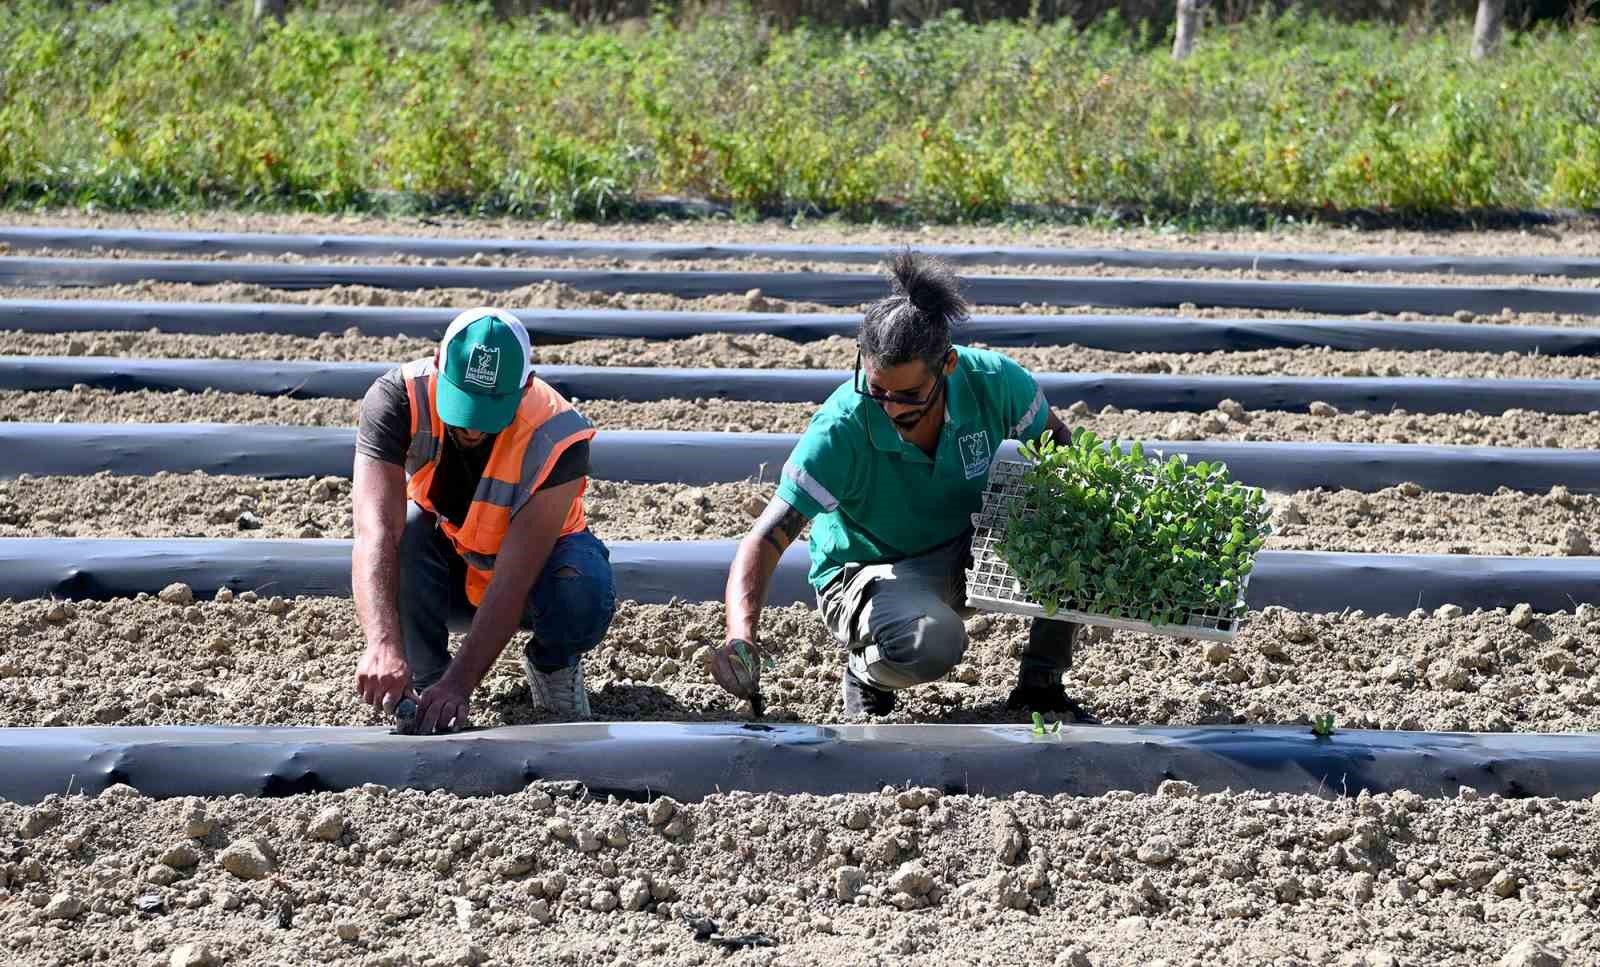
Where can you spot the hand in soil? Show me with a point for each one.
(383, 677)
(443, 707)
(736, 666)
(405, 717)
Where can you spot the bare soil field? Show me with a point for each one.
(272, 661)
(1514, 428)
(902, 877)
(382, 878)
(197, 505)
(760, 351)
(85, 405)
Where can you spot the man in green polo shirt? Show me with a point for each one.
(890, 472)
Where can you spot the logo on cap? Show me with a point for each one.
(483, 366)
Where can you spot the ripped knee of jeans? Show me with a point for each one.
(572, 611)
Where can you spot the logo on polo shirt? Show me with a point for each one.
(975, 453)
(483, 366)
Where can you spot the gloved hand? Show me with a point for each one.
(736, 666)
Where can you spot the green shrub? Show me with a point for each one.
(1105, 531)
(1576, 179)
(147, 102)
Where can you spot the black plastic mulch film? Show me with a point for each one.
(646, 456)
(644, 384)
(368, 246)
(659, 571)
(826, 288)
(689, 761)
(548, 326)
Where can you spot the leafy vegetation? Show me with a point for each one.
(1040, 728)
(145, 103)
(1103, 530)
(1322, 726)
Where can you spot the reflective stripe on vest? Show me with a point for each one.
(424, 447)
(483, 562)
(552, 434)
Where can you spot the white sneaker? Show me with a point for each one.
(560, 691)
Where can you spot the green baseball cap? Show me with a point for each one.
(484, 362)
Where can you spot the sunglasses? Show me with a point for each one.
(897, 398)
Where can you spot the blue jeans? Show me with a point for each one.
(568, 610)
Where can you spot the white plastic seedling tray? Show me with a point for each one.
(992, 587)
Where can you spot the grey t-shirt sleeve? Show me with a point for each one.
(384, 430)
(572, 464)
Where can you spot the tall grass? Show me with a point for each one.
(143, 103)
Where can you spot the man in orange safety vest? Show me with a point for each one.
(469, 481)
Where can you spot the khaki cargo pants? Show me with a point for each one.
(903, 621)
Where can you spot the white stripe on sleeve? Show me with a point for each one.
(1027, 418)
(809, 484)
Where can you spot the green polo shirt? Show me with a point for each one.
(874, 497)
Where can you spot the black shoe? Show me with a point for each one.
(863, 699)
(1048, 697)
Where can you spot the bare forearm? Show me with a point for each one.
(748, 582)
(379, 499)
(375, 582)
(735, 664)
(523, 556)
(500, 613)
(497, 619)
(753, 565)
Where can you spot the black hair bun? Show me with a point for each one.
(928, 284)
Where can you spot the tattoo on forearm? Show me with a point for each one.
(780, 525)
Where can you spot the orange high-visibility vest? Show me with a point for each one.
(524, 454)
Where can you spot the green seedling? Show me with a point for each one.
(1039, 727)
(1108, 532)
(1322, 726)
(749, 659)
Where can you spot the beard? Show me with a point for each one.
(457, 439)
(910, 421)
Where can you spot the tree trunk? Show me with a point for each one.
(1487, 28)
(1189, 14)
(274, 9)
